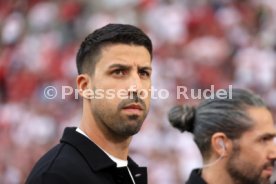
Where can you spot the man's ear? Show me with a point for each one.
(84, 85)
(220, 144)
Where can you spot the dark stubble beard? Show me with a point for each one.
(118, 126)
(244, 172)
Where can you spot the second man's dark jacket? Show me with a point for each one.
(195, 177)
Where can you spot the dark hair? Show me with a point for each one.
(109, 34)
(216, 115)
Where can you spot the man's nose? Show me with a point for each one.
(135, 85)
(272, 153)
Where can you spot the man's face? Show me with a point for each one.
(253, 154)
(122, 72)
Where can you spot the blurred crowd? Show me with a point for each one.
(197, 43)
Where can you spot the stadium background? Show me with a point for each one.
(197, 43)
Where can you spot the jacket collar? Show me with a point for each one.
(96, 157)
(195, 177)
(139, 173)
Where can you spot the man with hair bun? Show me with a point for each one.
(235, 137)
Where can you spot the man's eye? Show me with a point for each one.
(266, 139)
(119, 72)
(144, 73)
(274, 140)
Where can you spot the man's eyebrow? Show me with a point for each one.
(121, 66)
(145, 68)
(267, 135)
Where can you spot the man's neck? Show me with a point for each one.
(216, 174)
(115, 147)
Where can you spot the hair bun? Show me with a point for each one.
(182, 118)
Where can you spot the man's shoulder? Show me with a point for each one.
(78, 160)
(65, 160)
(62, 161)
(74, 159)
(62, 155)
